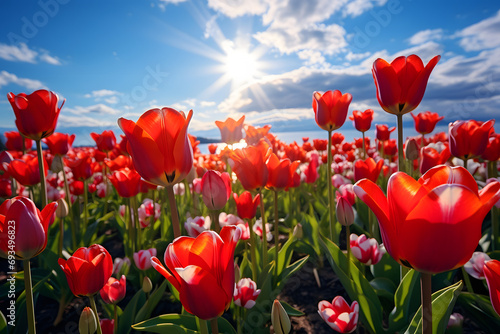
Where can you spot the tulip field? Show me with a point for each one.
(144, 232)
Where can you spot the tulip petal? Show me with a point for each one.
(199, 285)
(492, 274)
(417, 89)
(448, 175)
(155, 262)
(374, 197)
(489, 196)
(455, 226)
(148, 159)
(387, 84)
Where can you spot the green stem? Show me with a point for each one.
(253, 253)
(494, 228)
(364, 146)
(41, 168)
(330, 188)
(276, 234)
(115, 317)
(214, 326)
(30, 309)
(94, 308)
(426, 294)
(401, 159)
(135, 210)
(468, 284)
(61, 235)
(465, 163)
(131, 227)
(264, 231)
(214, 217)
(70, 205)
(60, 311)
(173, 211)
(348, 246)
(13, 186)
(202, 326)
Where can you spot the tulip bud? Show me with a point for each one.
(298, 232)
(245, 293)
(147, 285)
(215, 189)
(62, 208)
(475, 266)
(411, 149)
(339, 315)
(455, 323)
(237, 272)
(87, 323)
(279, 318)
(344, 211)
(57, 165)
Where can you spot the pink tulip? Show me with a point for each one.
(142, 258)
(114, 290)
(195, 226)
(215, 189)
(245, 293)
(475, 266)
(366, 250)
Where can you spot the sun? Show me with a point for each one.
(240, 66)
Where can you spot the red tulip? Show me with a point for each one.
(367, 169)
(492, 150)
(362, 120)
(492, 274)
(383, 132)
(249, 164)
(126, 182)
(15, 141)
(339, 315)
(468, 139)
(202, 270)
(59, 143)
(245, 293)
(425, 122)
(26, 171)
(215, 189)
(107, 326)
(320, 144)
(23, 228)
(231, 131)
(36, 114)
(121, 161)
(159, 145)
(212, 148)
(311, 172)
(280, 172)
(81, 166)
(430, 157)
(366, 250)
(245, 206)
(114, 290)
(330, 109)
(433, 224)
(106, 141)
(88, 270)
(337, 138)
(253, 134)
(401, 84)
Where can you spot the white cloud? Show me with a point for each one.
(482, 35)
(80, 121)
(9, 78)
(94, 109)
(204, 104)
(358, 7)
(425, 36)
(328, 39)
(357, 56)
(235, 8)
(23, 53)
(106, 95)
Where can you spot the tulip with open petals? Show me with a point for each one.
(14, 141)
(249, 165)
(231, 131)
(245, 205)
(126, 182)
(339, 315)
(492, 274)
(366, 250)
(383, 132)
(202, 270)
(36, 114)
(433, 224)
(368, 169)
(401, 84)
(30, 226)
(159, 145)
(87, 270)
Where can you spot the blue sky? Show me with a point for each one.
(112, 59)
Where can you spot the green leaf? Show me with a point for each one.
(3, 324)
(406, 301)
(387, 267)
(127, 319)
(290, 310)
(154, 299)
(357, 287)
(443, 302)
(181, 321)
(479, 308)
(384, 288)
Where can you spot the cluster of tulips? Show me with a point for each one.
(231, 226)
